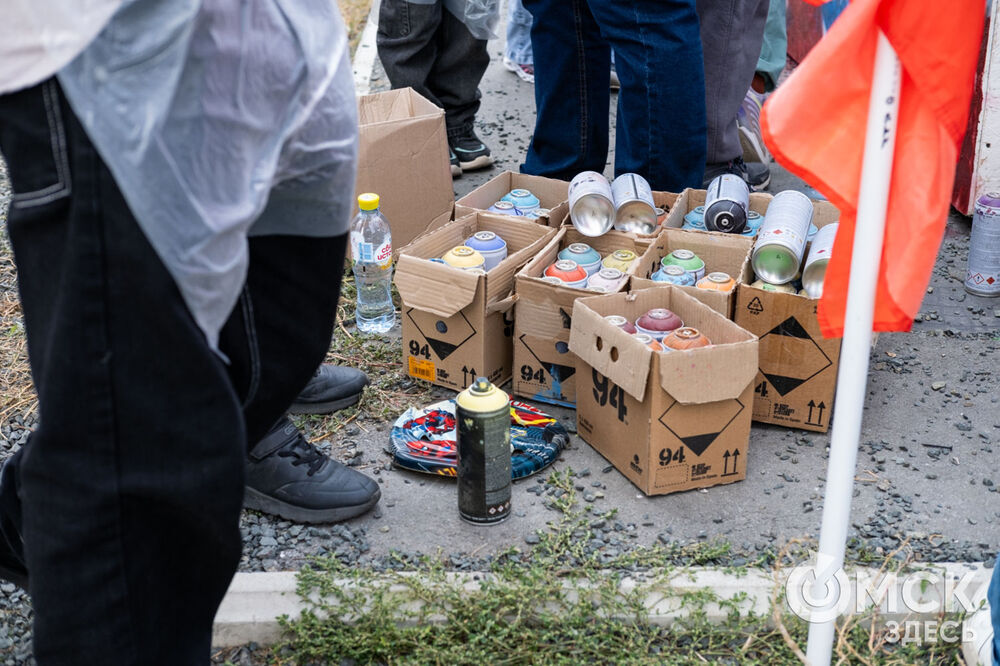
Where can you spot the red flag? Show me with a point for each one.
(815, 126)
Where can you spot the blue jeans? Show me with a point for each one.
(993, 596)
(661, 105)
(518, 47)
(124, 504)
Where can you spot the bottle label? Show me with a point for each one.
(383, 257)
(363, 252)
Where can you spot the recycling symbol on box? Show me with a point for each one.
(443, 335)
(700, 425)
(789, 357)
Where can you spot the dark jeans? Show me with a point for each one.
(661, 105)
(128, 493)
(425, 47)
(732, 32)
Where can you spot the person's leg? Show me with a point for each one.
(454, 80)
(774, 49)
(407, 41)
(661, 113)
(132, 483)
(518, 46)
(993, 596)
(731, 36)
(572, 77)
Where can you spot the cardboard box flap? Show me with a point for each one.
(709, 374)
(436, 288)
(610, 350)
(502, 306)
(392, 106)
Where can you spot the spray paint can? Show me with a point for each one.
(781, 241)
(552, 280)
(813, 230)
(814, 270)
(786, 288)
(569, 272)
(674, 275)
(522, 199)
(661, 216)
(622, 323)
(695, 219)
(685, 337)
(716, 281)
(588, 258)
(591, 204)
(658, 322)
(492, 247)
(983, 275)
(687, 260)
(464, 257)
(620, 259)
(727, 201)
(649, 341)
(504, 208)
(536, 213)
(634, 208)
(482, 415)
(610, 279)
(754, 220)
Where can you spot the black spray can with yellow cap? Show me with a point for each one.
(482, 412)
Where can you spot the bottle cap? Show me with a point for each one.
(368, 201)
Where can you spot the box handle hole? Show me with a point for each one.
(599, 343)
(614, 354)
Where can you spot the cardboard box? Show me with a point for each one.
(798, 366)
(669, 421)
(457, 325)
(728, 253)
(550, 193)
(690, 199)
(544, 368)
(403, 157)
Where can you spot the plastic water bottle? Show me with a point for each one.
(371, 250)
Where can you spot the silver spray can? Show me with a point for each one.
(781, 241)
(814, 270)
(591, 204)
(634, 207)
(983, 276)
(726, 204)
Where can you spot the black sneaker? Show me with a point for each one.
(332, 387)
(471, 152)
(12, 565)
(288, 477)
(456, 168)
(756, 174)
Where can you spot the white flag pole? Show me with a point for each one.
(852, 378)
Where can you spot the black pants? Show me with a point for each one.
(425, 47)
(128, 493)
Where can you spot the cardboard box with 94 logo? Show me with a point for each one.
(672, 420)
(458, 324)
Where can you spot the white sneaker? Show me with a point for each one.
(978, 651)
(526, 72)
(748, 121)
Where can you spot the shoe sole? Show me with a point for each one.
(761, 186)
(753, 151)
(480, 162)
(512, 66)
(323, 407)
(258, 501)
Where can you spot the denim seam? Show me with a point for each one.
(716, 140)
(252, 345)
(582, 78)
(57, 139)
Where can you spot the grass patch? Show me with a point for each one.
(529, 609)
